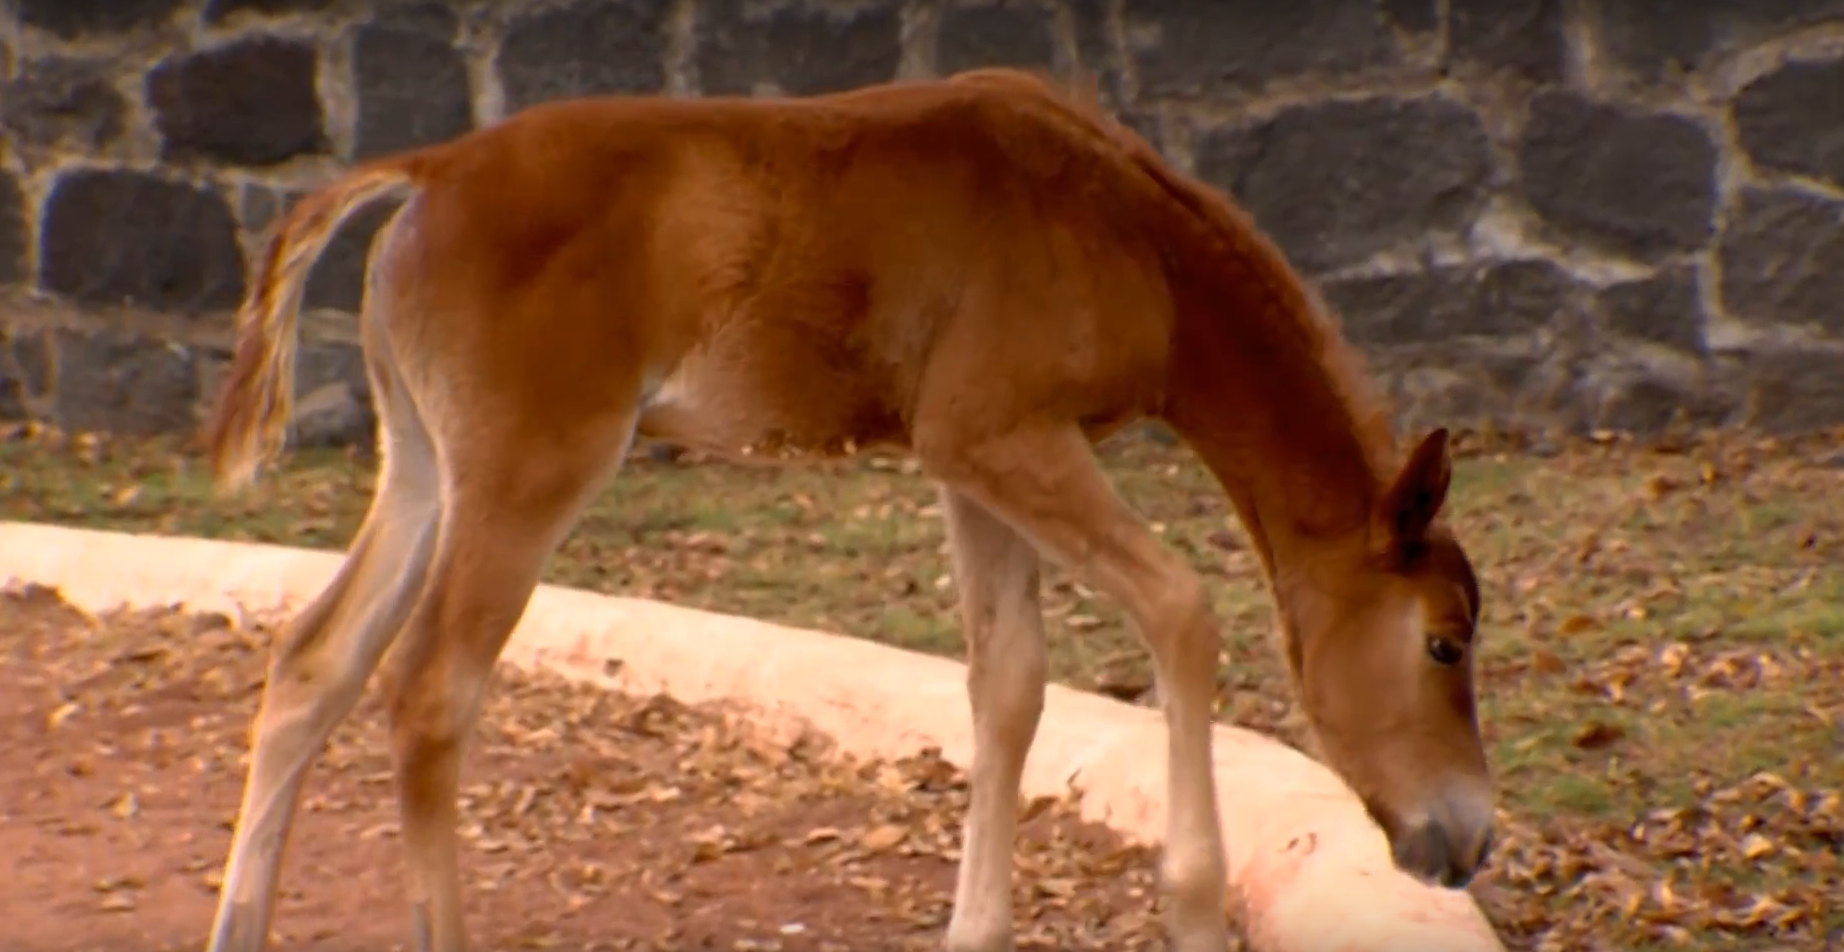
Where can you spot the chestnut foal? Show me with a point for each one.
(981, 271)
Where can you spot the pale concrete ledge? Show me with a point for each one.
(1308, 870)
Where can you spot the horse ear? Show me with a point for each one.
(1409, 506)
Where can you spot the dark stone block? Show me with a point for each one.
(1514, 297)
(332, 395)
(1782, 259)
(62, 102)
(1792, 119)
(338, 279)
(218, 10)
(31, 360)
(412, 90)
(1525, 37)
(589, 47)
(802, 50)
(69, 19)
(1145, 125)
(1634, 402)
(1642, 184)
(332, 398)
(12, 402)
(1477, 380)
(1652, 38)
(1095, 48)
(433, 18)
(1204, 48)
(1337, 181)
(251, 102)
(15, 237)
(1666, 308)
(25, 372)
(1415, 16)
(12, 389)
(120, 382)
(1500, 299)
(1792, 391)
(117, 237)
(1005, 33)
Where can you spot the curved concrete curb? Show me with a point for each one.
(1307, 869)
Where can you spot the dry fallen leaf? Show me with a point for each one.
(883, 837)
(1547, 662)
(1597, 735)
(1576, 624)
(125, 806)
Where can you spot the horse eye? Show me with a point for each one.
(1445, 651)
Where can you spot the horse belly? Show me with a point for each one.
(745, 407)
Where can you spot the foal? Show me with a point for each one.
(979, 271)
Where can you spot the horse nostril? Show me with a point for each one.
(1459, 871)
(1486, 842)
(1426, 852)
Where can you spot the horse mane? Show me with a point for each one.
(1311, 325)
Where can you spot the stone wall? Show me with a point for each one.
(1594, 213)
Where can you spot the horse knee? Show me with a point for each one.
(1180, 625)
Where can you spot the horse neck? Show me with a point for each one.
(1256, 391)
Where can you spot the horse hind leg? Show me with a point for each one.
(996, 573)
(505, 512)
(322, 658)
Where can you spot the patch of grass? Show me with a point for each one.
(1662, 666)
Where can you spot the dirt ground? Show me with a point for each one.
(591, 821)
